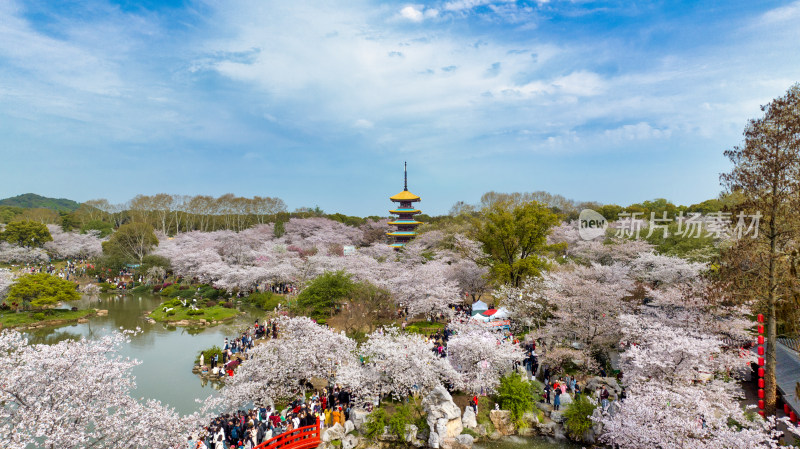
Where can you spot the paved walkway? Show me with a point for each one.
(787, 375)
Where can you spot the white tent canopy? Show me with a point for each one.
(481, 318)
(501, 314)
(479, 305)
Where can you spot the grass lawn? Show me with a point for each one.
(180, 313)
(14, 319)
(425, 327)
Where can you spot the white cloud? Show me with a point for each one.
(412, 13)
(363, 124)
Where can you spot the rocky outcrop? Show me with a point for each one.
(502, 422)
(350, 441)
(459, 442)
(444, 416)
(469, 420)
(359, 417)
(597, 382)
(349, 426)
(335, 432)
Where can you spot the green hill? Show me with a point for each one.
(32, 200)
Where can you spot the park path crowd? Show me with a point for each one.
(246, 429)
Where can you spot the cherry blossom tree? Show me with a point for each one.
(279, 368)
(398, 364)
(10, 253)
(664, 271)
(588, 300)
(607, 253)
(70, 245)
(480, 355)
(470, 277)
(76, 394)
(424, 289)
(6, 279)
(679, 393)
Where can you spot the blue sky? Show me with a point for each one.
(319, 103)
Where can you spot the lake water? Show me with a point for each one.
(167, 353)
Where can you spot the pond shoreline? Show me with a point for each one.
(57, 322)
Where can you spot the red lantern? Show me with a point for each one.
(761, 404)
(760, 350)
(786, 408)
(760, 318)
(761, 339)
(761, 362)
(761, 412)
(792, 417)
(761, 383)
(760, 328)
(761, 372)
(760, 394)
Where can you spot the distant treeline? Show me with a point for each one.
(173, 214)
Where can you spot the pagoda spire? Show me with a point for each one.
(405, 176)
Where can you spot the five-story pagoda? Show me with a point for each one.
(405, 222)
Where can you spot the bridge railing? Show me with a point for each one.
(301, 438)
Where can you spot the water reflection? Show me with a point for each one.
(167, 353)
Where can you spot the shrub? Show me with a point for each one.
(321, 298)
(170, 313)
(577, 417)
(377, 420)
(264, 301)
(228, 305)
(209, 292)
(38, 316)
(515, 394)
(196, 312)
(105, 287)
(211, 303)
(141, 289)
(209, 353)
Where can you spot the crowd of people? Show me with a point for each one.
(247, 429)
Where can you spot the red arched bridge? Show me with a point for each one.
(301, 438)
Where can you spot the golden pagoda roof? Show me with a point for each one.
(405, 195)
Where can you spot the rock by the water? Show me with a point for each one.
(557, 416)
(459, 442)
(566, 399)
(349, 426)
(465, 441)
(530, 418)
(444, 416)
(502, 421)
(349, 442)
(548, 428)
(494, 436)
(454, 427)
(358, 417)
(439, 404)
(335, 432)
(469, 420)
